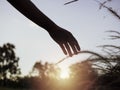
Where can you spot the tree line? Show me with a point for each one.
(97, 72)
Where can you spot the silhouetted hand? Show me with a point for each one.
(66, 41)
(64, 38)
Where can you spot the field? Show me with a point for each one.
(3, 88)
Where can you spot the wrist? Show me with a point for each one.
(53, 28)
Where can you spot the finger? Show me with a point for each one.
(67, 46)
(74, 42)
(63, 49)
(73, 48)
(76, 45)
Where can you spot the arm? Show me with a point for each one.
(64, 38)
(28, 9)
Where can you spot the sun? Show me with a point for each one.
(64, 74)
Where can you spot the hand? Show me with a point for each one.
(64, 38)
(66, 41)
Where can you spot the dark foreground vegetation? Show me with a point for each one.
(97, 72)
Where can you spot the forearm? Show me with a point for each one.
(28, 9)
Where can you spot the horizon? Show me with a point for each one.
(83, 19)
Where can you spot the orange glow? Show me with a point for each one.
(64, 74)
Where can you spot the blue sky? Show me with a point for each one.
(82, 18)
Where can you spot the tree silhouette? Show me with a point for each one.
(46, 70)
(8, 63)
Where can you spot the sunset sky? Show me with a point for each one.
(82, 18)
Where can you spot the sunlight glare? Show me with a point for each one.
(64, 74)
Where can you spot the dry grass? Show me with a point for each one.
(5, 88)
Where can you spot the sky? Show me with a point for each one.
(83, 19)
